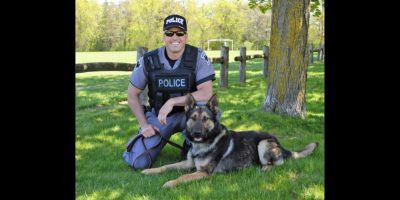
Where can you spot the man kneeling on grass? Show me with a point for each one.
(170, 72)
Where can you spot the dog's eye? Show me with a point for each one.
(204, 119)
(193, 118)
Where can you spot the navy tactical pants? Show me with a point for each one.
(145, 150)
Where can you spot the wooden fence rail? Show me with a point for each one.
(103, 66)
(242, 58)
(223, 60)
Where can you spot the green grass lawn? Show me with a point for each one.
(104, 124)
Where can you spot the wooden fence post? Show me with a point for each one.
(310, 49)
(242, 66)
(144, 99)
(224, 67)
(266, 58)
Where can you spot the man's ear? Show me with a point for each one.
(190, 102)
(213, 103)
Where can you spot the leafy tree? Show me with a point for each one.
(132, 23)
(227, 20)
(317, 22)
(87, 13)
(110, 35)
(258, 28)
(317, 6)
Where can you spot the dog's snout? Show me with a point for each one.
(196, 133)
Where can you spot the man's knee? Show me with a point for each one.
(137, 161)
(141, 152)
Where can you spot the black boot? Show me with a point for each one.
(186, 146)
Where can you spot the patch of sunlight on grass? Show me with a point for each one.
(314, 192)
(310, 74)
(315, 97)
(105, 138)
(228, 112)
(184, 197)
(114, 194)
(245, 127)
(101, 195)
(315, 114)
(229, 122)
(109, 139)
(116, 128)
(252, 72)
(93, 196)
(205, 190)
(98, 119)
(235, 101)
(84, 145)
(143, 197)
(233, 187)
(123, 103)
(268, 186)
(77, 157)
(131, 119)
(292, 175)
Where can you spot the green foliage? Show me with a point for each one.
(132, 23)
(263, 5)
(104, 124)
(316, 30)
(316, 7)
(248, 45)
(87, 23)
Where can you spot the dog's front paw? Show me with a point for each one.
(151, 171)
(170, 184)
(266, 168)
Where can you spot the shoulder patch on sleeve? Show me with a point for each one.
(136, 66)
(204, 57)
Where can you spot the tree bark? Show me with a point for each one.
(288, 61)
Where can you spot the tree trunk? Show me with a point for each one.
(288, 61)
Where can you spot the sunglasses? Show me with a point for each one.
(171, 33)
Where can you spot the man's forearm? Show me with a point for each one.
(137, 109)
(198, 95)
(203, 93)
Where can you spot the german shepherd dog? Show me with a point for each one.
(216, 149)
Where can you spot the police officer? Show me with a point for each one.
(170, 72)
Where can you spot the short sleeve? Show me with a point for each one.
(138, 77)
(204, 68)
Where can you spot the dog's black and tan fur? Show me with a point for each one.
(217, 149)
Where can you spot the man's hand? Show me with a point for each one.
(164, 111)
(148, 130)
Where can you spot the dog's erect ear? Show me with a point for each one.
(213, 103)
(190, 102)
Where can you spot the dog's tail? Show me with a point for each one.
(302, 153)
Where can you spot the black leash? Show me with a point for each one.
(169, 142)
(129, 147)
(146, 151)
